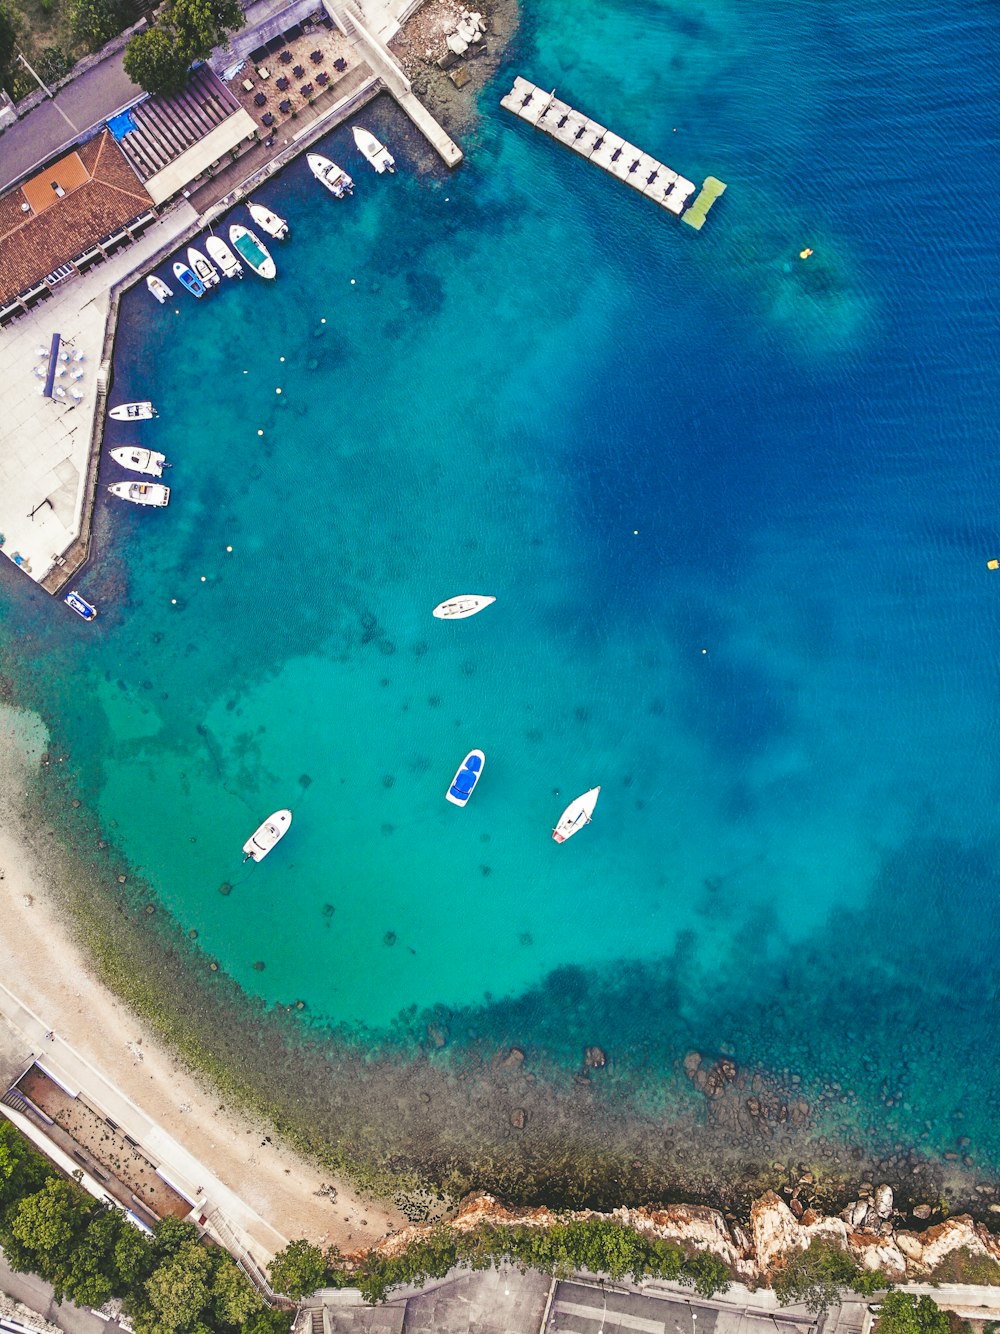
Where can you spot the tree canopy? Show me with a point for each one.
(298, 1270)
(904, 1313)
(95, 22)
(818, 1275)
(8, 38)
(159, 58)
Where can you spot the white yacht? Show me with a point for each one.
(252, 249)
(146, 461)
(204, 270)
(576, 815)
(133, 412)
(223, 256)
(460, 606)
(268, 222)
(264, 837)
(377, 154)
(329, 174)
(141, 493)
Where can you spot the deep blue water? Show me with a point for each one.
(736, 508)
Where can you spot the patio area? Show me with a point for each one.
(277, 82)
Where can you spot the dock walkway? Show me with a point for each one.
(611, 152)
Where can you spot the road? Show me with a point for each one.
(32, 1292)
(87, 101)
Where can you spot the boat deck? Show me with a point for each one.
(611, 152)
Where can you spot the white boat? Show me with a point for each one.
(268, 222)
(467, 775)
(264, 837)
(576, 815)
(464, 604)
(329, 174)
(158, 288)
(133, 412)
(251, 249)
(204, 270)
(223, 256)
(377, 154)
(140, 460)
(141, 493)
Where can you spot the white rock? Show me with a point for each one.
(456, 44)
(466, 32)
(911, 1246)
(854, 1215)
(883, 1201)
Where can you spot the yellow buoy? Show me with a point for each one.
(804, 254)
(993, 564)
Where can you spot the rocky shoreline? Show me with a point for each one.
(871, 1229)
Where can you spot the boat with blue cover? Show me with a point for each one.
(187, 279)
(80, 605)
(467, 776)
(252, 250)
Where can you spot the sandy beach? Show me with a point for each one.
(44, 968)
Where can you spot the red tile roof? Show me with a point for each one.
(32, 245)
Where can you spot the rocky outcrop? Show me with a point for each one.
(865, 1228)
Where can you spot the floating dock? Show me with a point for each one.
(610, 151)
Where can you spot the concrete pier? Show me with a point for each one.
(611, 152)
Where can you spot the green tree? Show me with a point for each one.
(178, 1293)
(298, 1270)
(8, 41)
(95, 22)
(22, 1170)
(153, 61)
(134, 1258)
(201, 25)
(234, 1299)
(53, 63)
(903, 1313)
(93, 1272)
(815, 1276)
(49, 1224)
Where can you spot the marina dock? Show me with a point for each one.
(612, 153)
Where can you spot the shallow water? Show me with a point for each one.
(735, 507)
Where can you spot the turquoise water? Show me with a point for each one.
(735, 507)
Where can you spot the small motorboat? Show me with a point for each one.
(457, 608)
(204, 269)
(264, 837)
(223, 256)
(329, 174)
(467, 776)
(187, 279)
(576, 815)
(377, 154)
(268, 222)
(133, 412)
(158, 288)
(141, 493)
(80, 605)
(140, 460)
(252, 250)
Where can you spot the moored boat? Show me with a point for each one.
(187, 279)
(268, 222)
(467, 775)
(460, 606)
(223, 256)
(576, 815)
(158, 288)
(141, 493)
(252, 250)
(203, 268)
(146, 461)
(377, 154)
(133, 412)
(80, 605)
(264, 837)
(329, 174)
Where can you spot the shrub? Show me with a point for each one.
(815, 1276)
(903, 1313)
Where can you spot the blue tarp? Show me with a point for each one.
(121, 125)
